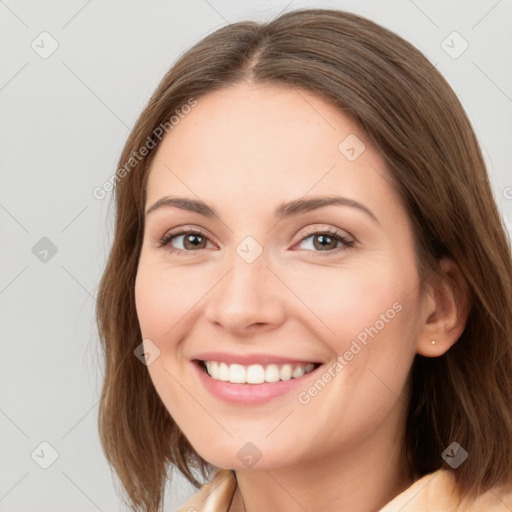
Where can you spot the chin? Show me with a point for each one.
(246, 456)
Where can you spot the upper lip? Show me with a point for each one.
(248, 359)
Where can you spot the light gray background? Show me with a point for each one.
(64, 120)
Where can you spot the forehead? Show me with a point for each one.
(258, 143)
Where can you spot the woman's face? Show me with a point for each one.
(268, 286)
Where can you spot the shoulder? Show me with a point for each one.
(215, 496)
(437, 492)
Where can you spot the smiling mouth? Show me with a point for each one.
(255, 373)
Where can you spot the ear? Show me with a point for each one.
(445, 310)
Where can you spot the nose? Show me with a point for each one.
(247, 300)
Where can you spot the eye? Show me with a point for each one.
(191, 239)
(323, 241)
(326, 241)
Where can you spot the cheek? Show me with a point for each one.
(163, 297)
(367, 314)
(162, 305)
(345, 301)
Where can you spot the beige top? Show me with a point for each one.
(435, 492)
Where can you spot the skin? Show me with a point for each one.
(244, 149)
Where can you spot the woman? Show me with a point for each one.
(309, 291)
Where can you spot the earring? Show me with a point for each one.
(433, 342)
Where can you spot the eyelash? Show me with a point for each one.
(337, 235)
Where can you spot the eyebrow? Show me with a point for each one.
(281, 211)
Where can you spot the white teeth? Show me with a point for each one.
(255, 373)
(298, 372)
(272, 373)
(223, 372)
(236, 373)
(286, 372)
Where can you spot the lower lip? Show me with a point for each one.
(249, 393)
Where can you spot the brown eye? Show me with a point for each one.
(194, 241)
(324, 242)
(327, 242)
(191, 241)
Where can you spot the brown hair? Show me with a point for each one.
(411, 114)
